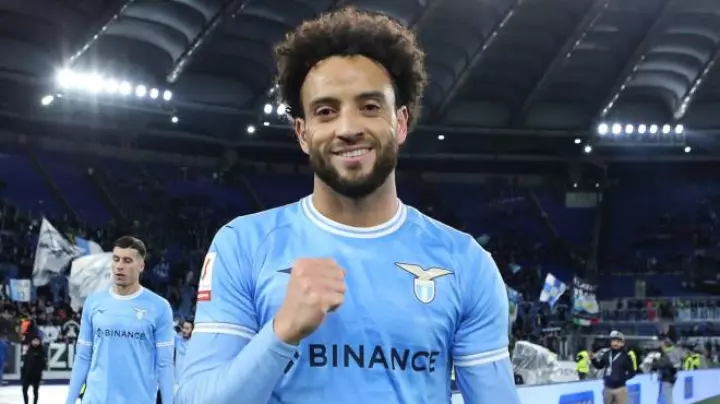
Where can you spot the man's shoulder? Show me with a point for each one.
(261, 224)
(437, 232)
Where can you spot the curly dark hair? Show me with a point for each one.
(352, 32)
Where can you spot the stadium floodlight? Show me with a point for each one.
(653, 129)
(666, 129)
(616, 129)
(679, 129)
(629, 129)
(603, 129)
(268, 109)
(688, 149)
(642, 129)
(281, 109)
(250, 129)
(441, 137)
(174, 119)
(98, 84)
(47, 100)
(587, 149)
(578, 140)
(125, 88)
(266, 123)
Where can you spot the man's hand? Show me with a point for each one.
(316, 287)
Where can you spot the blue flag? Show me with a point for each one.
(421, 296)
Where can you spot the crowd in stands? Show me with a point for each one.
(177, 210)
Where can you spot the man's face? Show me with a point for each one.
(127, 266)
(616, 344)
(35, 342)
(352, 130)
(186, 329)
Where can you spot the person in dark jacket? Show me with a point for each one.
(667, 368)
(34, 362)
(617, 369)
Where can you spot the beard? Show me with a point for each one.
(358, 187)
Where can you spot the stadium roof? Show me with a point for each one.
(518, 77)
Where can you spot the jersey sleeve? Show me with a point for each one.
(164, 329)
(482, 335)
(224, 300)
(86, 329)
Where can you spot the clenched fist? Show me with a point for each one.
(316, 287)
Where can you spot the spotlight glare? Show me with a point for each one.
(642, 129)
(666, 129)
(267, 109)
(66, 78)
(140, 91)
(587, 149)
(629, 129)
(688, 149)
(577, 140)
(250, 129)
(281, 109)
(154, 93)
(174, 119)
(679, 129)
(125, 88)
(47, 100)
(653, 129)
(441, 137)
(111, 86)
(266, 123)
(602, 129)
(616, 129)
(167, 95)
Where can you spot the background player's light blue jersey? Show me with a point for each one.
(420, 296)
(124, 350)
(180, 347)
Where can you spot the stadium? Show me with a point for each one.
(575, 140)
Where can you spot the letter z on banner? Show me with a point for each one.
(205, 284)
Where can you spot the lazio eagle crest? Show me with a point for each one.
(424, 282)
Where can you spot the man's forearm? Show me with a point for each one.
(166, 374)
(249, 377)
(80, 370)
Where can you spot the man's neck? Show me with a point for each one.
(126, 290)
(373, 210)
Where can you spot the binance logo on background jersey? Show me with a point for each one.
(108, 333)
(424, 280)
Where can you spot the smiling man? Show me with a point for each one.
(125, 347)
(349, 295)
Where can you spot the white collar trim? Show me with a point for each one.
(344, 230)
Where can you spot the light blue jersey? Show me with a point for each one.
(124, 350)
(420, 296)
(180, 347)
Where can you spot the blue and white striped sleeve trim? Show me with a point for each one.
(85, 343)
(481, 358)
(170, 343)
(224, 328)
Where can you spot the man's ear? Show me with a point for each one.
(403, 122)
(301, 133)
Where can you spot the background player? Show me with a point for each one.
(126, 338)
(406, 295)
(181, 341)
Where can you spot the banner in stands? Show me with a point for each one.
(60, 360)
(586, 310)
(52, 333)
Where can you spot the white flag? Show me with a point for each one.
(89, 274)
(52, 254)
(552, 289)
